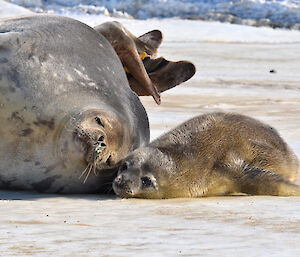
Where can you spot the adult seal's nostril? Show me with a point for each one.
(66, 105)
(100, 147)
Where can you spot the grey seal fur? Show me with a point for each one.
(212, 154)
(66, 108)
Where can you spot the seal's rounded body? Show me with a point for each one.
(65, 105)
(212, 154)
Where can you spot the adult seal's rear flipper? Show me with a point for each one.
(149, 42)
(133, 64)
(164, 74)
(125, 45)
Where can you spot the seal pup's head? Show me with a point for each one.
(145, 173)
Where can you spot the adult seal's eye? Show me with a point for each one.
(146, 182)
(98, 120)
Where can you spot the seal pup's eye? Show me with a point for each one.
(146, 182)
(101, 138)
(98, 120)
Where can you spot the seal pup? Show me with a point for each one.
(212, 154)
(146, 75)
(66, 108)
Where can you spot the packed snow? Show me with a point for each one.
(273, 13)
(8, 10)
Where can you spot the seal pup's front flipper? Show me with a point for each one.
(149, 42)
(164, 74)
(257, 181)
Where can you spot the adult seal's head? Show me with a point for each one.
(212, 154)
(99, 138)
(66, 109)
(103, 138)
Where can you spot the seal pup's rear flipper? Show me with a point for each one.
(257, 181)
(164, 74)
(149, 42)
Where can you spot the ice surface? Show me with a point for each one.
(47, 225)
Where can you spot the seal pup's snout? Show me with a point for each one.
(124, 183)
(134, 180)
(122, 186)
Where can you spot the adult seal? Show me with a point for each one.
(212, 154)
(66, 108)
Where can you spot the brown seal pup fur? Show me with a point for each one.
(147, 76)
(212, 154)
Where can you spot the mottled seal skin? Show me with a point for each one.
(212, 154)
(67, 112)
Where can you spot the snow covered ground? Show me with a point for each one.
(274, 13)
(233, 74)
(8, 10)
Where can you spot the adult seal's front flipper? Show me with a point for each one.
(164, 74)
